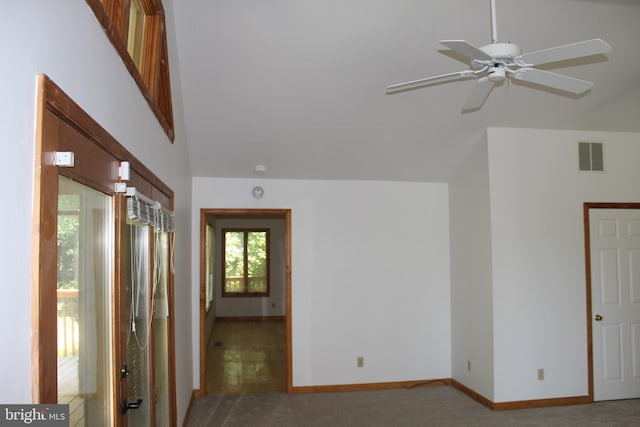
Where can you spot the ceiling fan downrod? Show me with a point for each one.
(494, 25)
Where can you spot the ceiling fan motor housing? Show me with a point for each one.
(502, 51)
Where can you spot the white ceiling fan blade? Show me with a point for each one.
(466, 49)
(568, 51)
(557, 81)
(478, 94)
(429, 80)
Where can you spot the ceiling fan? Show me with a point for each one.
(496, 62)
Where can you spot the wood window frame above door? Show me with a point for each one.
(152, 73)
(96, 166)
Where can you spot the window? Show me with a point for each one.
(136, 29)
(246, 262)
(135, 39)
(210, 251)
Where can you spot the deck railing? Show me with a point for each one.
(68, 322)
(236, 284)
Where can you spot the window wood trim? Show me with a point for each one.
(153, 78)
(246, 264)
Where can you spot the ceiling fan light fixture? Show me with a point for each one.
(497, 74)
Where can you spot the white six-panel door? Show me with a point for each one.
(615, 297)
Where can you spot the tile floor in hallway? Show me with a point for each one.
(246, 356)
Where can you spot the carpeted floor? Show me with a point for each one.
(421, 406)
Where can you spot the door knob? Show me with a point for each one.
(598, 318)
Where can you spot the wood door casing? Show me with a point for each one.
(615, 299)
(587, 207)
(63, 126)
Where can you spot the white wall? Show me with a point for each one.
(370, 275)
(471, 281)
(539, 291)
(64, 40)
(274, 304)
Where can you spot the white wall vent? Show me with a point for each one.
(591, 156)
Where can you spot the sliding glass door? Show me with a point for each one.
(103, 282)
(85, 266)
(160, 330)
(138, 323)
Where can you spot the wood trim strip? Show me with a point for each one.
(501, 406)
(522, 404)
(288, 299)
(612, 205)
(44, 261)
(370, 386)
(541, 403)
(36, 356)
(589, 304)
(172, 333)
(472, 394)
(203, 301)
(250, 318)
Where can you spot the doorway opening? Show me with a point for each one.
(612, 259)
(245, 322)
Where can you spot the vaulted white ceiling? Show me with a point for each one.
(299, 85)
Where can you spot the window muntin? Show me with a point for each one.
(246, 262)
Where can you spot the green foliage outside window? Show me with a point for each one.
(245, 262)
(68, 241)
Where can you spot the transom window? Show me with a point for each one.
(136, 28)
(246, 262)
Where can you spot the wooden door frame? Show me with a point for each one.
(55, 106)
(279, 213)
(587, 250)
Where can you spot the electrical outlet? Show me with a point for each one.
(360, 362)
(273, 305)
(469, 365)
(540, 374)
